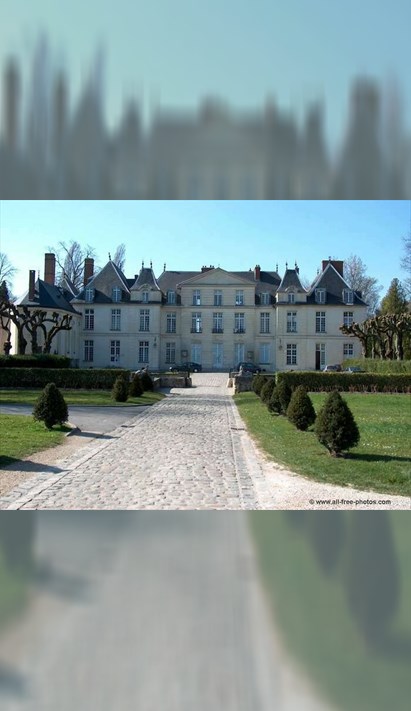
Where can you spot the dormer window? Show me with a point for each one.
(265, 298)
(144, 297)
(171, 297)
(89, 294)
(116, 294)
(291, 298)
(320, 296)
(348, 296)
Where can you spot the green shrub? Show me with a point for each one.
(74, 378)
(258, 381)
(284, 395)
(267, 390)
(43, 360)
(135, 388)
(335, 427)
(146, 381)
(316, 381)
(51, 407)
(119, 392)
(377, 365)
(300, 410)
(274, 403)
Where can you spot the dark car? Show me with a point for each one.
(249, 368)
(184, 367)
(354, 369)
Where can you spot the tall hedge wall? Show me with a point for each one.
(376, 365)
(34, 361)
(78, 378)
(316, 381)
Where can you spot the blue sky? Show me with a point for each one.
(177, 52)
(233, 235)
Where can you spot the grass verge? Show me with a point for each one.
(312, 614)
(90, 398)
(21, 436)
(381, 462)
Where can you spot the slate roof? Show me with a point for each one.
(48, 297)
(333, 283)
(102, 283)
(146, 277)
(291, 280)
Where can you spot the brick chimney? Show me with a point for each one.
(88, 269)
(32, 281)
(50, 268)
(337, 264)
(257, 271)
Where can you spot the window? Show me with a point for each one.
(291, 322)
(89, 351)
(171, 297)
(89, 319)
(239, 323)
(320, 296)
(264, 353)
(239, 297)
(116, 319)
(89, 295)
(218, 297)
(217, 322)
(348, 350)
(196, 322)
(143, 352)
(196, 353)
(144, 319)
(265, 298)
(291, 298)
(291, 354)
(145, 297)
(114, 351)
(264, 322)
(348, 296)
(239, 353)
(196, 297)
(116, 294)
(320, 355)
(320, 322)
(170, 352)
(171, 322)
(348, 318)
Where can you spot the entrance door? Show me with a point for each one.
(217, 355)
(196, 353)
(319, 356)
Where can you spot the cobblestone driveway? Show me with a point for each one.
(184, 453)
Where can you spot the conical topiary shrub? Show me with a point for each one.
(274, 403)
(267, 390)
(135, 388)
(280, 398)
(146, 381)
(258, 381)
(335, 426)
(119, 392)
(301, 411)
(51, 407)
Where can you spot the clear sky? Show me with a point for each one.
(178, 52)
(230, 234)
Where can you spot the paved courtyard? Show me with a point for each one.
(190, 451)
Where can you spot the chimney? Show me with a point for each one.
(32, 281)
(257, 271)
(88, 269)
(337, 264)
(50, 268)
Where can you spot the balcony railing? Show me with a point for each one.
(217, 330)
(197, 330)
(239, 330)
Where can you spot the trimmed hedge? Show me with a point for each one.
(75, 378)
(316, 381)
(35, 361)
(376, 365)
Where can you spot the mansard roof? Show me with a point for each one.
(146, 278)
(334, 284)
(170, 280)
(48, 297)
(291, 281)
(103, 281)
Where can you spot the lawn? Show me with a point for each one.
(22, 435)
(312, 613)
(381, 462)
(78, 397)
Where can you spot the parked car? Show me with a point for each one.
(354, 369)
(184, 367)
(249, 368)
(336, 368)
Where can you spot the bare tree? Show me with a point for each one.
(355, 274)
(119, 258)
(406, 264)
(70, 260)
(7, 271)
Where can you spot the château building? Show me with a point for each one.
(213, 316)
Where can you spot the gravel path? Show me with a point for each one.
(190, 451)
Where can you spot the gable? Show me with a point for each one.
(106, 279)
(216, 277)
